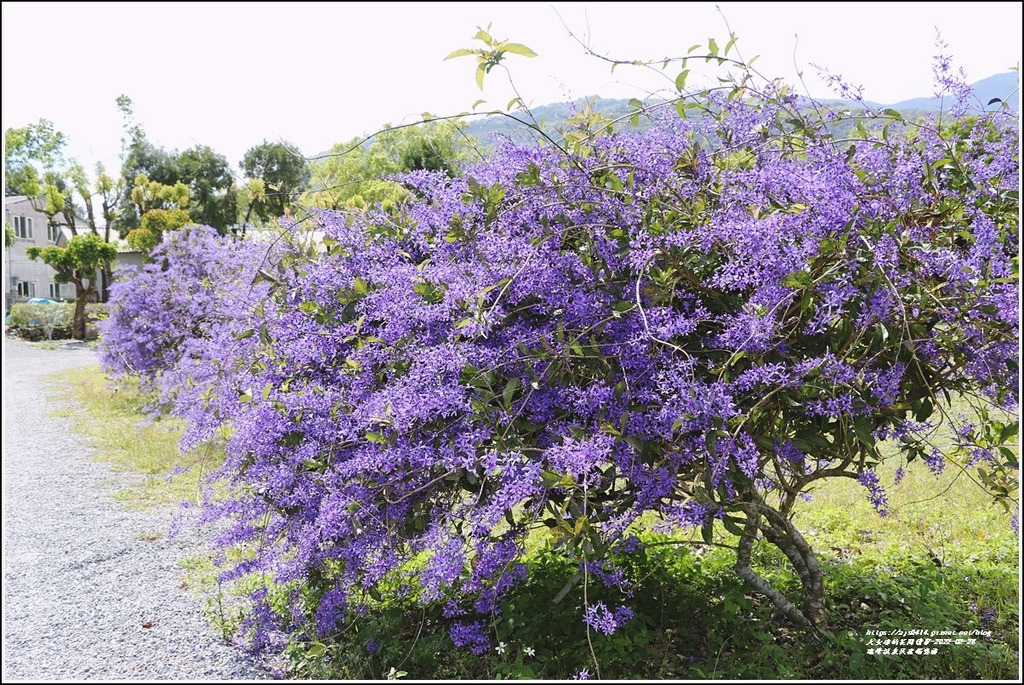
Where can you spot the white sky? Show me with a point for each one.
(230, 75)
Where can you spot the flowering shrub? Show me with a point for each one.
(698, 322)
(192, 292)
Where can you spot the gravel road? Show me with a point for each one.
(92, 591)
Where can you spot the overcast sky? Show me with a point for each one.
(230, 75)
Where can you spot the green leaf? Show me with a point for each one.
(518, 49)
(681, 79)
(863, 432)
(314, 465)
(706, 532)
(923, 410)
(732, 524)
(797, 279)
(461, 52)
(509, 392)
(806, 439)
(551, 479)
(1008, 431)
(266, 391)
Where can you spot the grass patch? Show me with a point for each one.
(944, 517)
(113, 420)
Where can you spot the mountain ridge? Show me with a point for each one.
(1003, 86)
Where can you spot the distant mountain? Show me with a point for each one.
(1005, 87)
(554, 116)
(551, 118)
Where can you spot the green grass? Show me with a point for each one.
(113, 421)
(945, 517)
(944, 559)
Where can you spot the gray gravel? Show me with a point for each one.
(92, 590)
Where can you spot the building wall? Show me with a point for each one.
(130, 258)
(19, 269)
(35, 277)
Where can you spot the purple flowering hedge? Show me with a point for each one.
(689, 326)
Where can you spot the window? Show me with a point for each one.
(23, 227)
(52, 233)
(55, 291)
(26, 289)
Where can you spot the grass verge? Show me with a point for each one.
(114, 421)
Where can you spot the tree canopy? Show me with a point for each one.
(29, 152)
(80, 263)
(206, 173)
(362, 171)
(283, 173)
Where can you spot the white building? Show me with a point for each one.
(26, 278)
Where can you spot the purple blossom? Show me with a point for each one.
(609, 576)
(629, 545)
(936, 461)
(869, 479)
(606, 621)
(472, 636)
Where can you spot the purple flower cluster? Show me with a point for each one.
(471, 636)
(879, 500)
(194, 284)
(604, 620)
